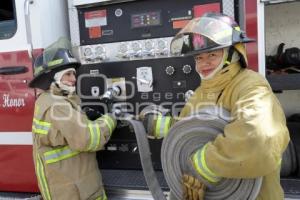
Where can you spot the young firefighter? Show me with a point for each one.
(64, 140)
(253, 142)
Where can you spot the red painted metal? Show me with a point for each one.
(16, 99)
(251, 30)
(17, 169)
(16, 112)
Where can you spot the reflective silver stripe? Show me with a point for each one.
(42, 179)
(201, 167)
(162, 126)
(102, 197)
(40, 127)
(95, 136)
(157, 126)
(109, 122)
(59, 154)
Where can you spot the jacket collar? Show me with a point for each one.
(221, 79)
(55, 90)
(60, 94)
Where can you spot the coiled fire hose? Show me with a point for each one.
(185, 137)
(289, 161)
(189, 135)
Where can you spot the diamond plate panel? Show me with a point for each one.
(74, 24)
(228, 7)
(129, 179)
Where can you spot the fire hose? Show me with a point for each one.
(185, 137)
(146, 161)
(189, 135)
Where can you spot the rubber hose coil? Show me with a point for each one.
(190, 134)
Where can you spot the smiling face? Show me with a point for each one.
(69, 78)
(207, 62)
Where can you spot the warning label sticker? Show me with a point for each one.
(95, 18)
(95, 32)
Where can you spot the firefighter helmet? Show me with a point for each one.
(210, 32)
(52, 60)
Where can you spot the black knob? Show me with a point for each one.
(187, 69)
(170, 70)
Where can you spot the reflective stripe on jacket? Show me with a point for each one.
(162, 126)
(64, 145)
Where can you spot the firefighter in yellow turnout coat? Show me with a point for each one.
(64, 140)
(254, 141)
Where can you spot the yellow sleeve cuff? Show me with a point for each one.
(199, 163)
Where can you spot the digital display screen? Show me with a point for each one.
(145, 19)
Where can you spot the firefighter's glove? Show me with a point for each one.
(157, 126)
(193, 189)
(149, 121)
(92, 114)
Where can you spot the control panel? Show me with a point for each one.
(124, 49)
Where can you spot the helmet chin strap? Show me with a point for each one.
(69, 90)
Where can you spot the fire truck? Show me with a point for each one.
(128, 41)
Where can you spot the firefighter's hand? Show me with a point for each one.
(193, 189)
(156, 120)
(91, 113)
(149, 121)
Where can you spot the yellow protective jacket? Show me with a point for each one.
(253, 143)
(64, 148)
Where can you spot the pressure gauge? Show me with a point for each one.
(87, 53)
(148, 45)
(148, 48)
(99, 50)
(136, 46)
(162, 47)
(161, 44)
(123, 48)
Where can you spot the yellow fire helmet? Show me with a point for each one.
(210, 32)
(55, 58)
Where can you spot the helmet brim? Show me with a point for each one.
(44, 80)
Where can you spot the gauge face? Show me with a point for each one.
(123, 48)
(161, 44)
(136, 46)
(87, 51)
(99, 50)
(148, 45)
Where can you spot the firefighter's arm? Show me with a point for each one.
(80, 133)
(157, 125)
(252, 144)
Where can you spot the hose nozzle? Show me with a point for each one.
(112, 93)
